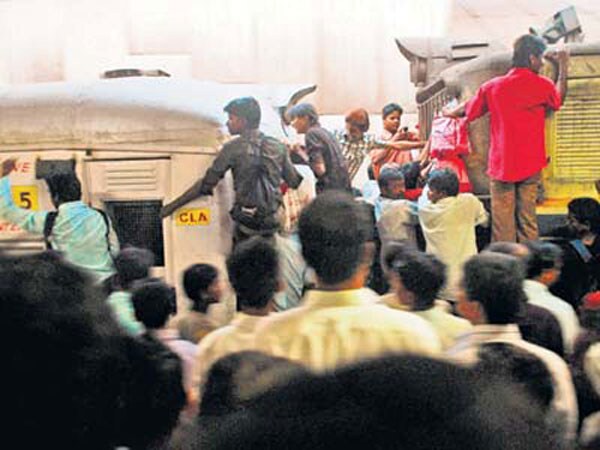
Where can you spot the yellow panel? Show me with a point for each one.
(193, 217)
(26, 197)
(573, 134)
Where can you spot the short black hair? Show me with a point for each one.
(361, 406)
(253, 269)
(133, 264)
(246, 108)
(333, 229)
(542, 256)
(390, 108)
(387, 175)
(197, 278)
(422, 274)
(445, 181)
(412, 172)
(587, 211)
(154, 302)
(65, 187)
(102, 387)
(304, 110)
(496, 282)
(525, 46)
(515, 365)
(233, 381)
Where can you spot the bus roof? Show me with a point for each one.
(134, 113)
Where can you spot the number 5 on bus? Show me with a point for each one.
(26, 197)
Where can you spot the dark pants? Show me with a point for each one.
(513, 210)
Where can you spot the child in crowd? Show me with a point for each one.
(132, 264)
(399, 141)
(448, 220)
(203, 287)
(395, 216)
(154, 303)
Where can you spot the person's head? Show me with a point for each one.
(244, 114)
(442, 183)
(509, 248)
(235, 380)
(357, 123)
(202, 285)
(589, 311)
(391, 116)
(154, 302)
(544, 262)
(97, 380)
(132, 264)
(583, 216)
(64, 187)
(391, 182)
(395, 402)
(303, 116)
(253, 269)
(528, 51)
(491, 290)
(517, 366)
(417, 278)
(333, 230)
(412, 172)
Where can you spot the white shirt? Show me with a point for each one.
(235, 337)
(449, 230)
(396, 220)
(564, 401)
(331, 328)
(538, 294)
(591, 366)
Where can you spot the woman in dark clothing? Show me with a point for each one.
(321, 151)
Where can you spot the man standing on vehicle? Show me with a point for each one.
(259, 164)
(517, 103)
(83, 235)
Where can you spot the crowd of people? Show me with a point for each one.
(373, 318)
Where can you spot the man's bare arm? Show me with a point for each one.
(560, 57)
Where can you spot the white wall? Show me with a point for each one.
(346, 47)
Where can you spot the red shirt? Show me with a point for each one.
(517, 103)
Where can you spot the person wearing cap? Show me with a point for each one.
(239, 155)
(321, 151)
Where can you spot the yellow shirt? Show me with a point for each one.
(332, 328)
(447, 325)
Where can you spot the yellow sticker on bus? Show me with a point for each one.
(193, 217)
(26, 197)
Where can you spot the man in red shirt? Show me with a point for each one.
(517, 103)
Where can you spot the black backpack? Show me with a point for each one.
(257, 199)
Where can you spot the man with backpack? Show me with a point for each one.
(259, 164)
(83, 235)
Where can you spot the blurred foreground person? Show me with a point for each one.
(253, 269)
(72, 378)
(490, 296)
(416, 278)
(338, 321)
(395, 403)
